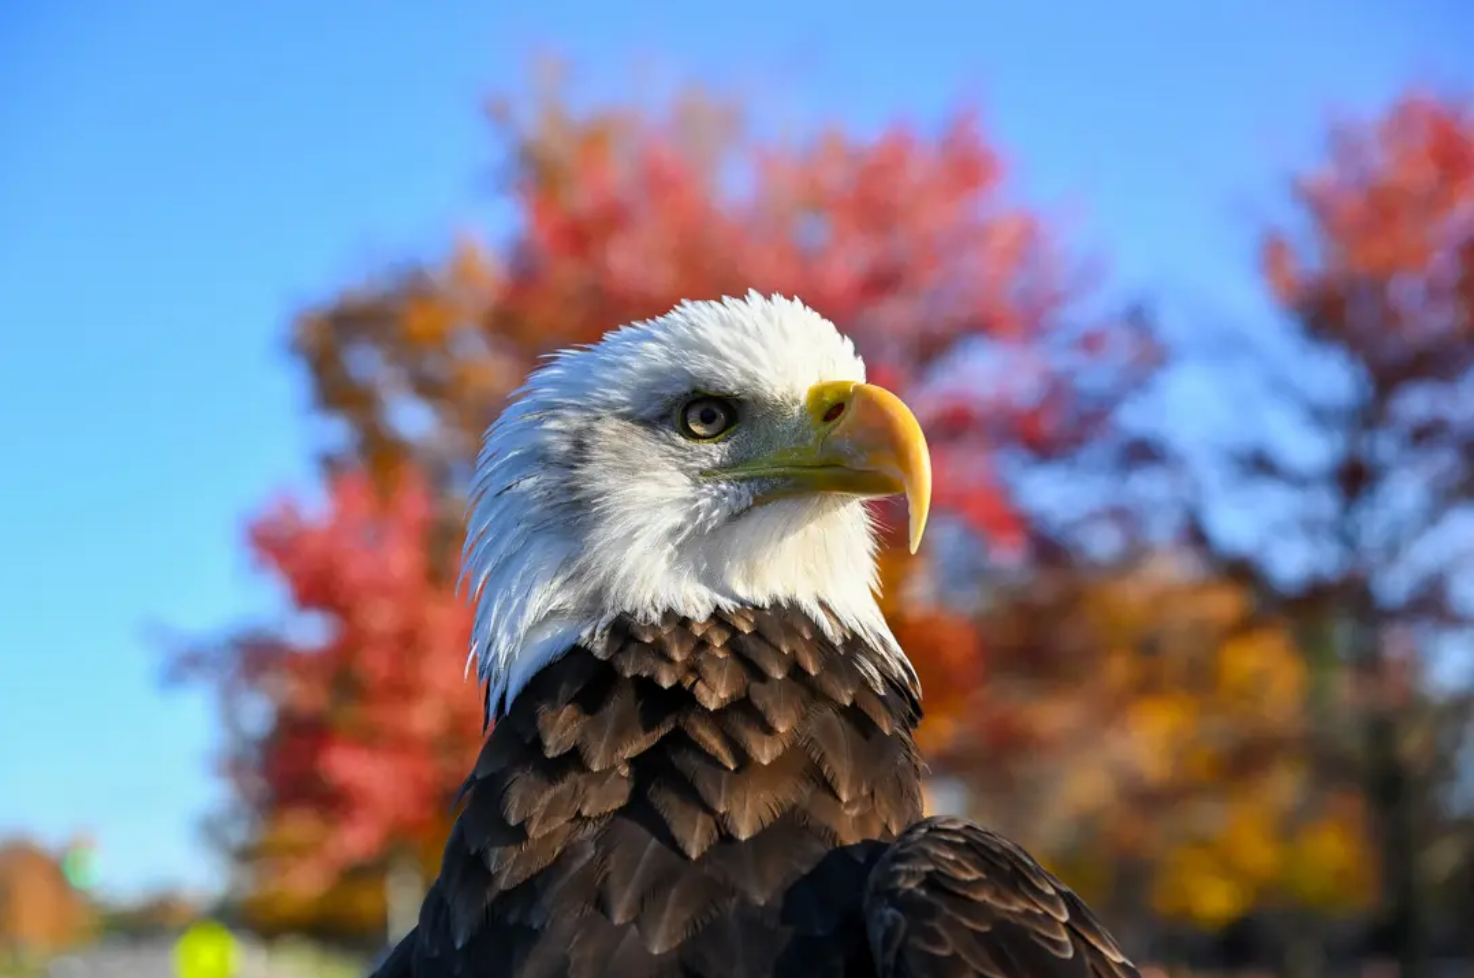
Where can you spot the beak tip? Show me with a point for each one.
(918, 527)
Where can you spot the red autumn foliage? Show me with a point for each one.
(1385, 270)
(372, 721)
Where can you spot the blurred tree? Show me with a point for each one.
(40, 912)
(961, 302)
(1358, 517)
(1181, 779)
(350, 726)
(161, 913)
(353, 905)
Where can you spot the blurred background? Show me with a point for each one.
(1182, 293)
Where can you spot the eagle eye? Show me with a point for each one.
(707, 417)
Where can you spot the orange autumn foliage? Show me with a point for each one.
(40, 912)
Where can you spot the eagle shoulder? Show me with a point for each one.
(950, 899)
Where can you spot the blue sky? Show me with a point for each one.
(176, 178)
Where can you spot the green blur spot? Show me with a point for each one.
(79, 866)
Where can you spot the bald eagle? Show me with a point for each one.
(702, 760)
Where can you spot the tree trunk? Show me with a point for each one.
(1394, 802)
(1305, 952)
(1390, 790)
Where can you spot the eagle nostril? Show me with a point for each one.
(834, 412)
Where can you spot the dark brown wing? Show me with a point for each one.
(950, 899)
(399, 963)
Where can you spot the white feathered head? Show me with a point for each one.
(717, 456)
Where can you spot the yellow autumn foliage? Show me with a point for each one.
(352, 906)
(1186, 750)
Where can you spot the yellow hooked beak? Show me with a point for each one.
(865, 442)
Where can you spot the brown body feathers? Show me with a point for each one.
(722, 799)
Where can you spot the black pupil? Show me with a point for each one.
(707, 418)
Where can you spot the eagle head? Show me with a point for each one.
(718, 456)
